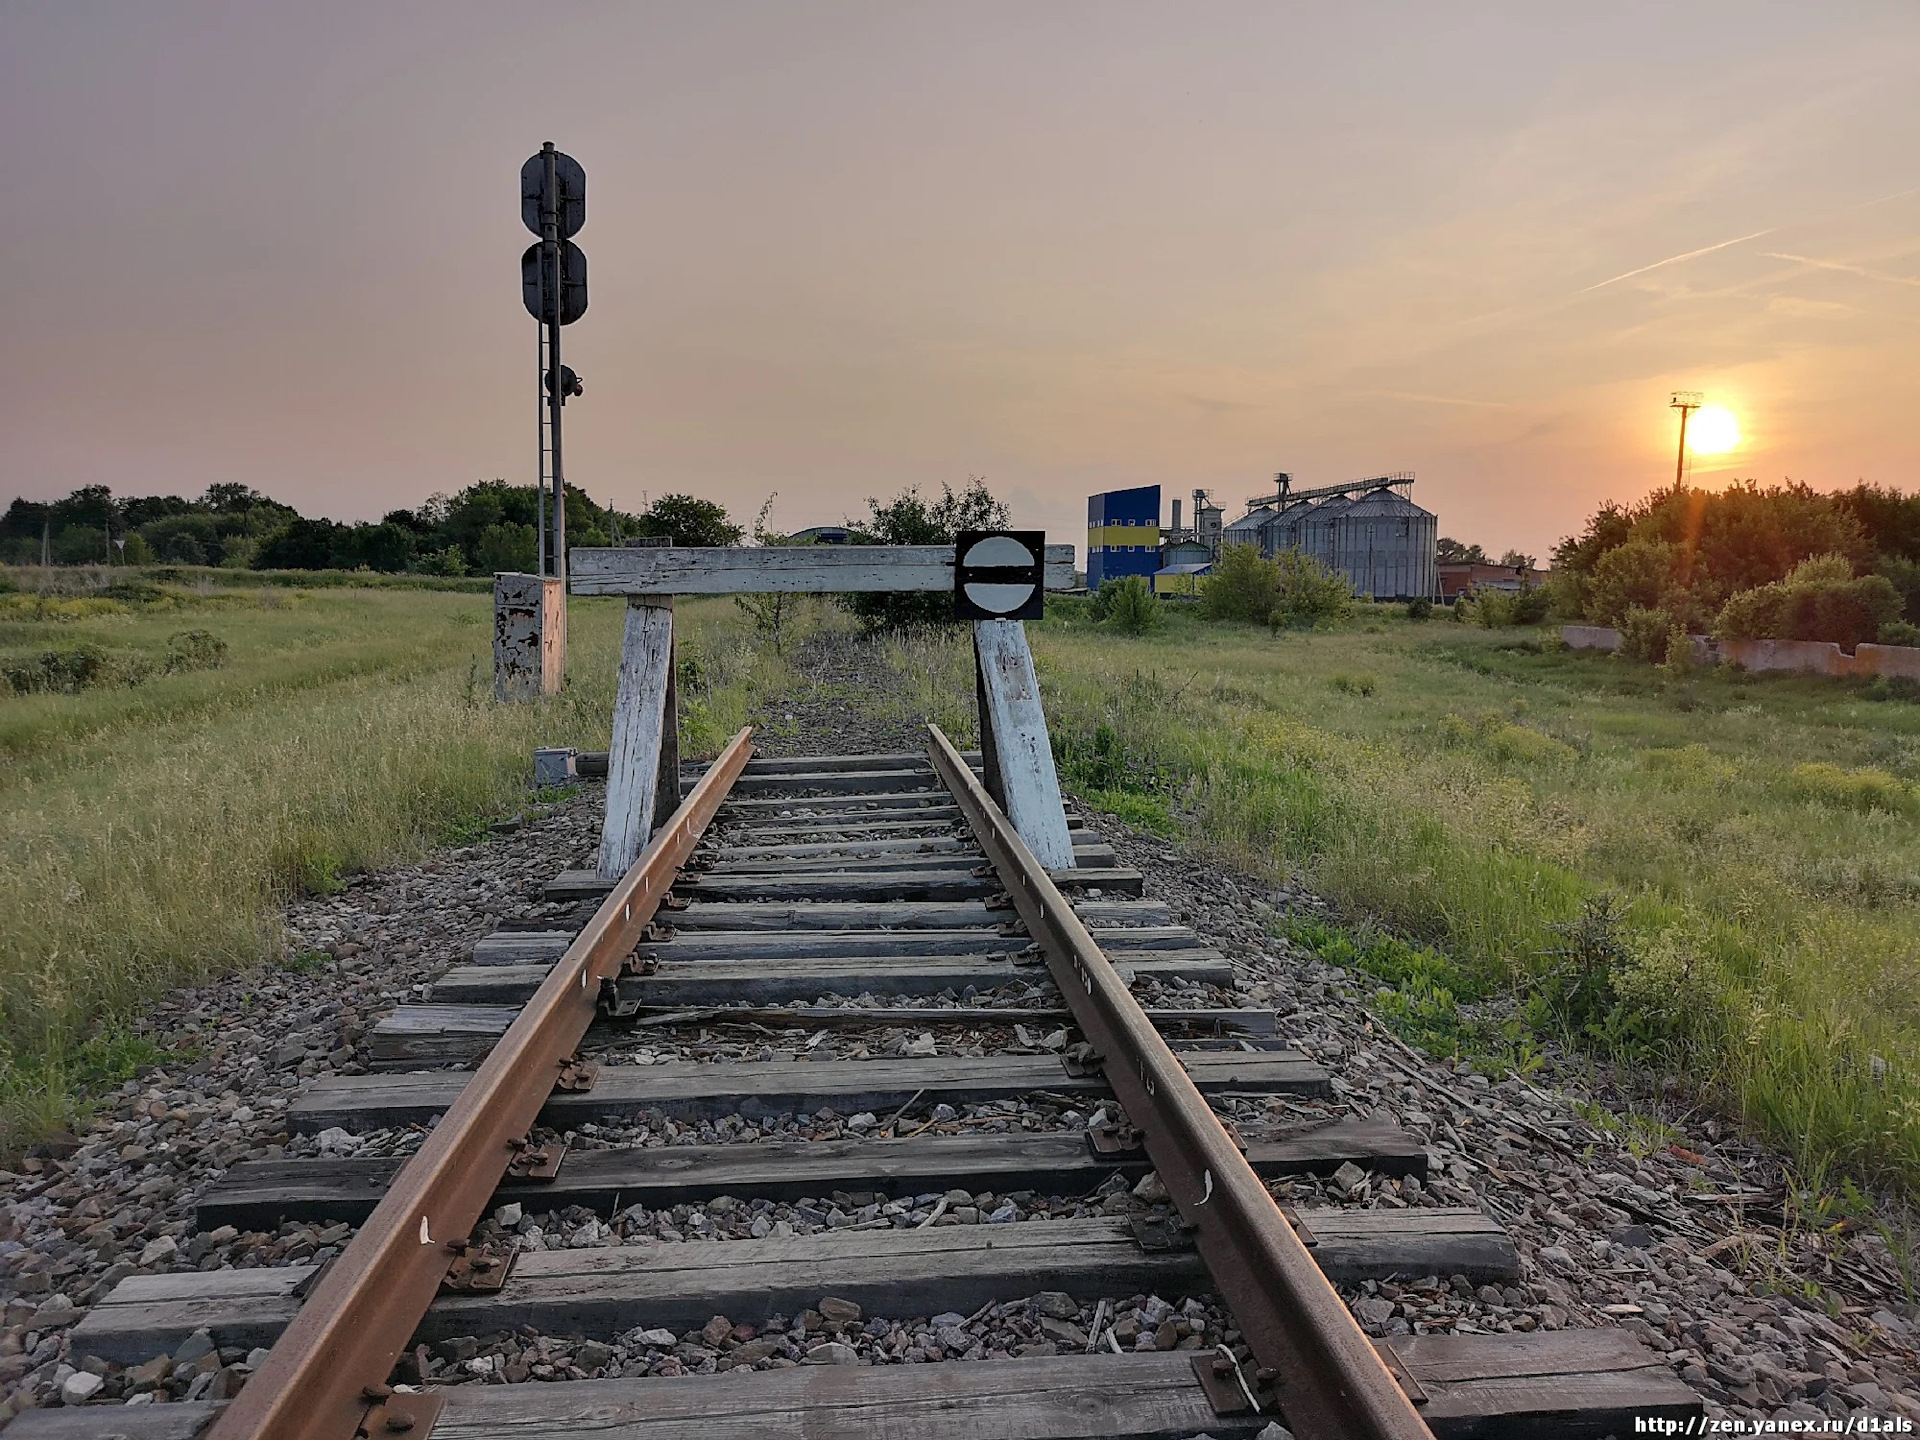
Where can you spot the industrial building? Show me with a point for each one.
(1368, 530)
(1123, 534)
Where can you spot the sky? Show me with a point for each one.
(840, 249)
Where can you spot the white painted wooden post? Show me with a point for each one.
(639, 715)
(1019, 740)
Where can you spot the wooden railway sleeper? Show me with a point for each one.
(1400, 1371)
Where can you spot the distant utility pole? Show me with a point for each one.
(1686, 402)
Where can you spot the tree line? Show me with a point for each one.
(490, 525)
(1781, 562)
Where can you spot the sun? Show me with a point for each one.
(1713, 431)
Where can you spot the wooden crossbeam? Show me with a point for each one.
(795, 569)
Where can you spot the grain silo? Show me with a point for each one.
(1369, 531)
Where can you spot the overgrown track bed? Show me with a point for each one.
(875, 1141)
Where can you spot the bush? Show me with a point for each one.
(1353, 684)
(1309, 592)
(1637, 575)
(1821, 599)
(1132, 609)
(1419, 608)
(66, 671)
(1644, 634)
(1866, 789)
(1900, 632)
(1243, 585)
(195, 650)
(1679, 650)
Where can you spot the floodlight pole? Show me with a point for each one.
(550, 258)
(1686, 402)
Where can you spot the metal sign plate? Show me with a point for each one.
(999, 575)
(572, 198)
(573, 283)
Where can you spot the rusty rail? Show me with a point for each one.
(1327, 1378)
(326, 1378)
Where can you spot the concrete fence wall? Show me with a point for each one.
(1815, 657)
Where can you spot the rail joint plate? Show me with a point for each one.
(402, 1413)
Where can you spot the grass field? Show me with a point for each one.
(1713, 872)
(150, 831)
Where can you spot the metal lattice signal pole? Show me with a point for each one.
(556, 397)
(1686, 402)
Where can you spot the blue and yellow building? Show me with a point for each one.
(1123, 534)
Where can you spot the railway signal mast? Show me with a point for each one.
(553, 285)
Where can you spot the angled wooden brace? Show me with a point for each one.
(1013, 739)
(640, 787)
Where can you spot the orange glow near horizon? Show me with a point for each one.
(1713, 431)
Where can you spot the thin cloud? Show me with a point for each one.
(1844, 267)
(1439, 399)
(1676, 259)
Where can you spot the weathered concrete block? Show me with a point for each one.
(529, 636)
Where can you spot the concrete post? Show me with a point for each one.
(529, 636)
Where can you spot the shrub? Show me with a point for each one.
(1900, 632)
(1354, 684)
(1243, 585)
(1419, 608)
(1644, 634)
(195, 650)
(1308, 591)
(1100, 603)
(1679, 650)
(66, 671)
(1821, 599)
(1133, 610)
(1864, 789)
(1636, 575)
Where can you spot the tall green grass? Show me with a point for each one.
(1717, 874)
(150, 834)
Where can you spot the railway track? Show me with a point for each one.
(834, 1092)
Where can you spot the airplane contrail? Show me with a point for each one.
(1676, 259)
(1842, 265)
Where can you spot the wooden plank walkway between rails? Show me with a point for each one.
(887, 1272)
(260, 1195)
(688, 1090)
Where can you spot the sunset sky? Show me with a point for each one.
(840, 249)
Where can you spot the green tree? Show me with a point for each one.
(691, 521)
(910, 518)
(1821, 599)
(1242, 585)
(1309, 592)
(506, 546)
